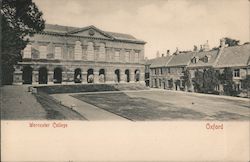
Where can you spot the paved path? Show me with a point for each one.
(19, 104)
(90, 112)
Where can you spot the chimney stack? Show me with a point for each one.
(168, 52)
(157, 54)
(162, 55)
(222, 42)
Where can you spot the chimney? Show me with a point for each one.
(177, 51)
(222, 43)
(195, 48)
(157, 54)
(168, 52)
(162, 55)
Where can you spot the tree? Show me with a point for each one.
(228, 83)
(211, 80)
(198, 81)
(231, 42)
(20, 18)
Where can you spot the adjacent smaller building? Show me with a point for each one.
(178, 71)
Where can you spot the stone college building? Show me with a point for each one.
(62, 54)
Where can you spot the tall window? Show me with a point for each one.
(136, 57)
(127, 56)
(117, 56)
(132, 57)
(90, 51)
(102, 52)
(58, 52)
(43, 52)
(78, 50)
(27, 51)
(237, 73)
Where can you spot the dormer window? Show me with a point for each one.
(195, 60)
(207, 58)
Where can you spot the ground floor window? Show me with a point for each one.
(90, 76)
(43, 76)
(78, 75)
(57, 78)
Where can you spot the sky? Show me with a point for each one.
(163, 24)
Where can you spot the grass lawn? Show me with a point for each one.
(166, 105)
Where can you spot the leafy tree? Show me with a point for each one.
(211, 80)
(187, 80)
(231, 42)
(228, 83)
(20, 18)
(198, 81)
(246, 83)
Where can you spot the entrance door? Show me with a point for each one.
(27, 75)
(43, 76)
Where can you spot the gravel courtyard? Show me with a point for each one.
(169, 105)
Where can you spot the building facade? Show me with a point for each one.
(180, 68)
(62, 54)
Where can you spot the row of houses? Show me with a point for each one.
(174, 71)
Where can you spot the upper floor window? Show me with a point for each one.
(132, 57)
(43, 52)
(90, 51)
(136, 57)
(161, 70)
(127, 56)
(237, 73)
(27, 51)
(102, 52)
(78, 50)
(117, 56)
(58, 52)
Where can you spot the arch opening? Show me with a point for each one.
(57, 78)
(78, 75)
(27, 75)
(90, 76)
(117, 75)
(43, 75)
(127, 75)
(102, 75)
(137, 75)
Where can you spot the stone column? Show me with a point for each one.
(132, 76)
(110, 77)
(96, 77)
(35, 74)
(142, 77)
(50, 77)
(84, 77)
(122, 76)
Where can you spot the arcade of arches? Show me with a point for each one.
(60, 74)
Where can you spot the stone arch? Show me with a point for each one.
(27, 75)
(78, 75)
(137, 75)
(90, 76)
(127, 75)
(43, 75)
(102, 75)
(57, 77)
(117, 75)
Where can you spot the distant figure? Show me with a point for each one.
(91, 78)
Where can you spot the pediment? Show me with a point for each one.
(91, 31)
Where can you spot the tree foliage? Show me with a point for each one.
(231, 42)
(20, 18)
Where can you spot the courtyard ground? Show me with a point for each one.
(138, 105)
(18, 104)
(169, 105)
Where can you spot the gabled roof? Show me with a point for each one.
(234, 56)
(181, 59)
(213, 54)
(159, 61)
(74, 30)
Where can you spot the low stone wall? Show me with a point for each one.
(53, 89)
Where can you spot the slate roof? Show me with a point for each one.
(69, 30)
(234, 56)
(181, 59)
(213, 54)
(159, 61)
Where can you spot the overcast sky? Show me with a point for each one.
(163, 24)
